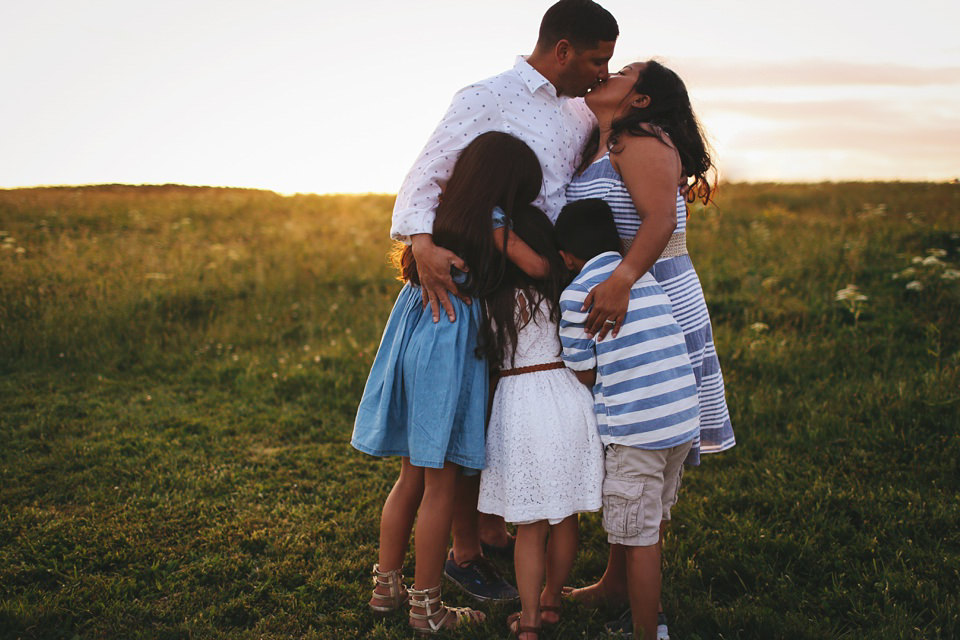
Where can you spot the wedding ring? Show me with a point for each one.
(608, 321)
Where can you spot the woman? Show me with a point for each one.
(647, 147)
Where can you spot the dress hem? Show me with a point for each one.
(528, 518)
(418, 462)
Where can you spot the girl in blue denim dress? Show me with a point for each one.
(426, 397)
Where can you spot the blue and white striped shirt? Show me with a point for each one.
(646, 394)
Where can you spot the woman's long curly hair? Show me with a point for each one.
(670, 113)
(504, 318)
(494, 170)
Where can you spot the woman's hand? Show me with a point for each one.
(433, 267)
(609, 301)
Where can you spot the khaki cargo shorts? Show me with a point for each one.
(639, 489)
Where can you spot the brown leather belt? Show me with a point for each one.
(532, 368)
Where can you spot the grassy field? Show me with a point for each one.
(179, 370)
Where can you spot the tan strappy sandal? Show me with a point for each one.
(384, 604)
(436, 614)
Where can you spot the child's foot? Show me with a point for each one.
(389, 593)
(622, 627)
(480, 579)
(596, 595)
(549, 609)
(522, 631)
(429, 615)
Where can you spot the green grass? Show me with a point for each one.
(179, 368)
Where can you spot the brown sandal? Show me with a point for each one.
(513, 623)
(386, 603)
(438, 619)
(547, 608)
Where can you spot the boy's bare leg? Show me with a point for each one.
(643, 578)
(611, 589)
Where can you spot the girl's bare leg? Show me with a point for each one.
(433, 524)
(399, 512)
(529, 562)
(396, 519)
(561, 552)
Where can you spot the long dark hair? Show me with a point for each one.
(503, 320)
(670, 114)
(494, 170)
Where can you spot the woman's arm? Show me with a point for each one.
(651, 171)
(520, 254)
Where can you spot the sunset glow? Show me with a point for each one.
(304, 96)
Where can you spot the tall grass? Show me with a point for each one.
(179, 369)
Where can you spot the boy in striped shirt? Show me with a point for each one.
(645, 396)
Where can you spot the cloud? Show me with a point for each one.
(892, 113)
(702, 73)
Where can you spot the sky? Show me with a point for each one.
(317, 96)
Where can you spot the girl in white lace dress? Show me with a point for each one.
(544, 456)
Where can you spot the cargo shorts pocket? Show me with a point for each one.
(621, 506)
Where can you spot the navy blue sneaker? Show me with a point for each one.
(480, 579)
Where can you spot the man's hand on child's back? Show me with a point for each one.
(433, 267)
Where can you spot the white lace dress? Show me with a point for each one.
(544, 456)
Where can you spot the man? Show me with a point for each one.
(536, 102)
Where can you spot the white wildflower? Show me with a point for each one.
(950, 274)
(932, 260)
(851, 293)
(759, 327)
(909, 272)
(940, 253)
(914, 285)
(916, 260)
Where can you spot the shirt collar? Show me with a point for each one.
(531, 77)
(600, 259)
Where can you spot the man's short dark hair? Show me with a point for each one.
(586, 229)
(583, 22)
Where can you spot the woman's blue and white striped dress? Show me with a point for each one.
(679, 279)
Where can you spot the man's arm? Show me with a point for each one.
(473, 111)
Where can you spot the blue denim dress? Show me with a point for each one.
(426, 396)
